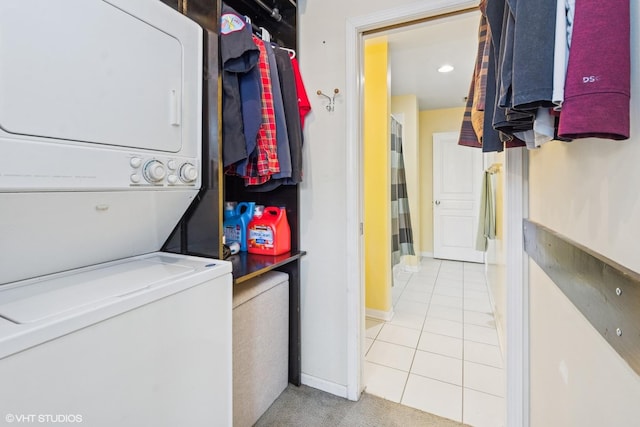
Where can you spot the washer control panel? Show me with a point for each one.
(162, 171)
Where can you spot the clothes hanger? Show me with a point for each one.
(292, 53)
(264, 34)
(261, 32)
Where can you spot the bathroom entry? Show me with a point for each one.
(430, 337)
(428, 101)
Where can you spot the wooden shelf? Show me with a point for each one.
(247, 266)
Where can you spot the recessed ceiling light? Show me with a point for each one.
(445, 68)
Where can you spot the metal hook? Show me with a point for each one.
(332, 99)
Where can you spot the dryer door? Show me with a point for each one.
(94, 71)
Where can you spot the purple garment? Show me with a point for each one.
(598, 85)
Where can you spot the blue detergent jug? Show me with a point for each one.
(235, 223)
(229, 209)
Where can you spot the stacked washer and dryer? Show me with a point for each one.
(100, 156)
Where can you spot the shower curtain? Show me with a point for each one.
(402, 234)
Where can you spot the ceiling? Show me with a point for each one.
(416, 52)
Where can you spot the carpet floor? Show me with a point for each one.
(307, 407)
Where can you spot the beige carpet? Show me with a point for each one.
(307, 407)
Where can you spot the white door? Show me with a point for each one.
(457, 182)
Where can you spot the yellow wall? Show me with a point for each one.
(407, 106)
(445, 120)
(377, 193)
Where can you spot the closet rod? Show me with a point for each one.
(274, 13)
(279, 20)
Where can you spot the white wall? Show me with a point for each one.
(585, 190)
(496, 249)
(577, 379)
(322, 52)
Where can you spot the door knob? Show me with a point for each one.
(437, 202)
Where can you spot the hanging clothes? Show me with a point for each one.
(598, 83)
(492, 140)
(480, 91)
(291, 110)
(263, 109)
(282, 140)
(533, 55)
(543, 54)
(251, 100)
(401, 231)
(239, 55)
(303, 100)
(564, 26)
(263, 162)
(507, 121)
(529, 91)
(292, 118)
(525, 74)
(487, 218)
(471, 130)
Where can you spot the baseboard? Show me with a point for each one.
(426, 254)
(411, 268)
(406, 268)
(379, 314)
(324, 385)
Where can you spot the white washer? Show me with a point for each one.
(144, 341)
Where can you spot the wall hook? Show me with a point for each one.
(332, 99)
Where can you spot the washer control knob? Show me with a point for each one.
(172, 165)
(135, 162)
(188, 172)
(135, 178)
(154, 171)
(172, 179)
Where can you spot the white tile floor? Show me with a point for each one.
(440, 352)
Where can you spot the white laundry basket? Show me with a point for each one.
(260, 345)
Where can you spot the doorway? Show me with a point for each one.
(438, 350)
(515, 187)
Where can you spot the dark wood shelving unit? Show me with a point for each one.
(247, 266)
(200, 230)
